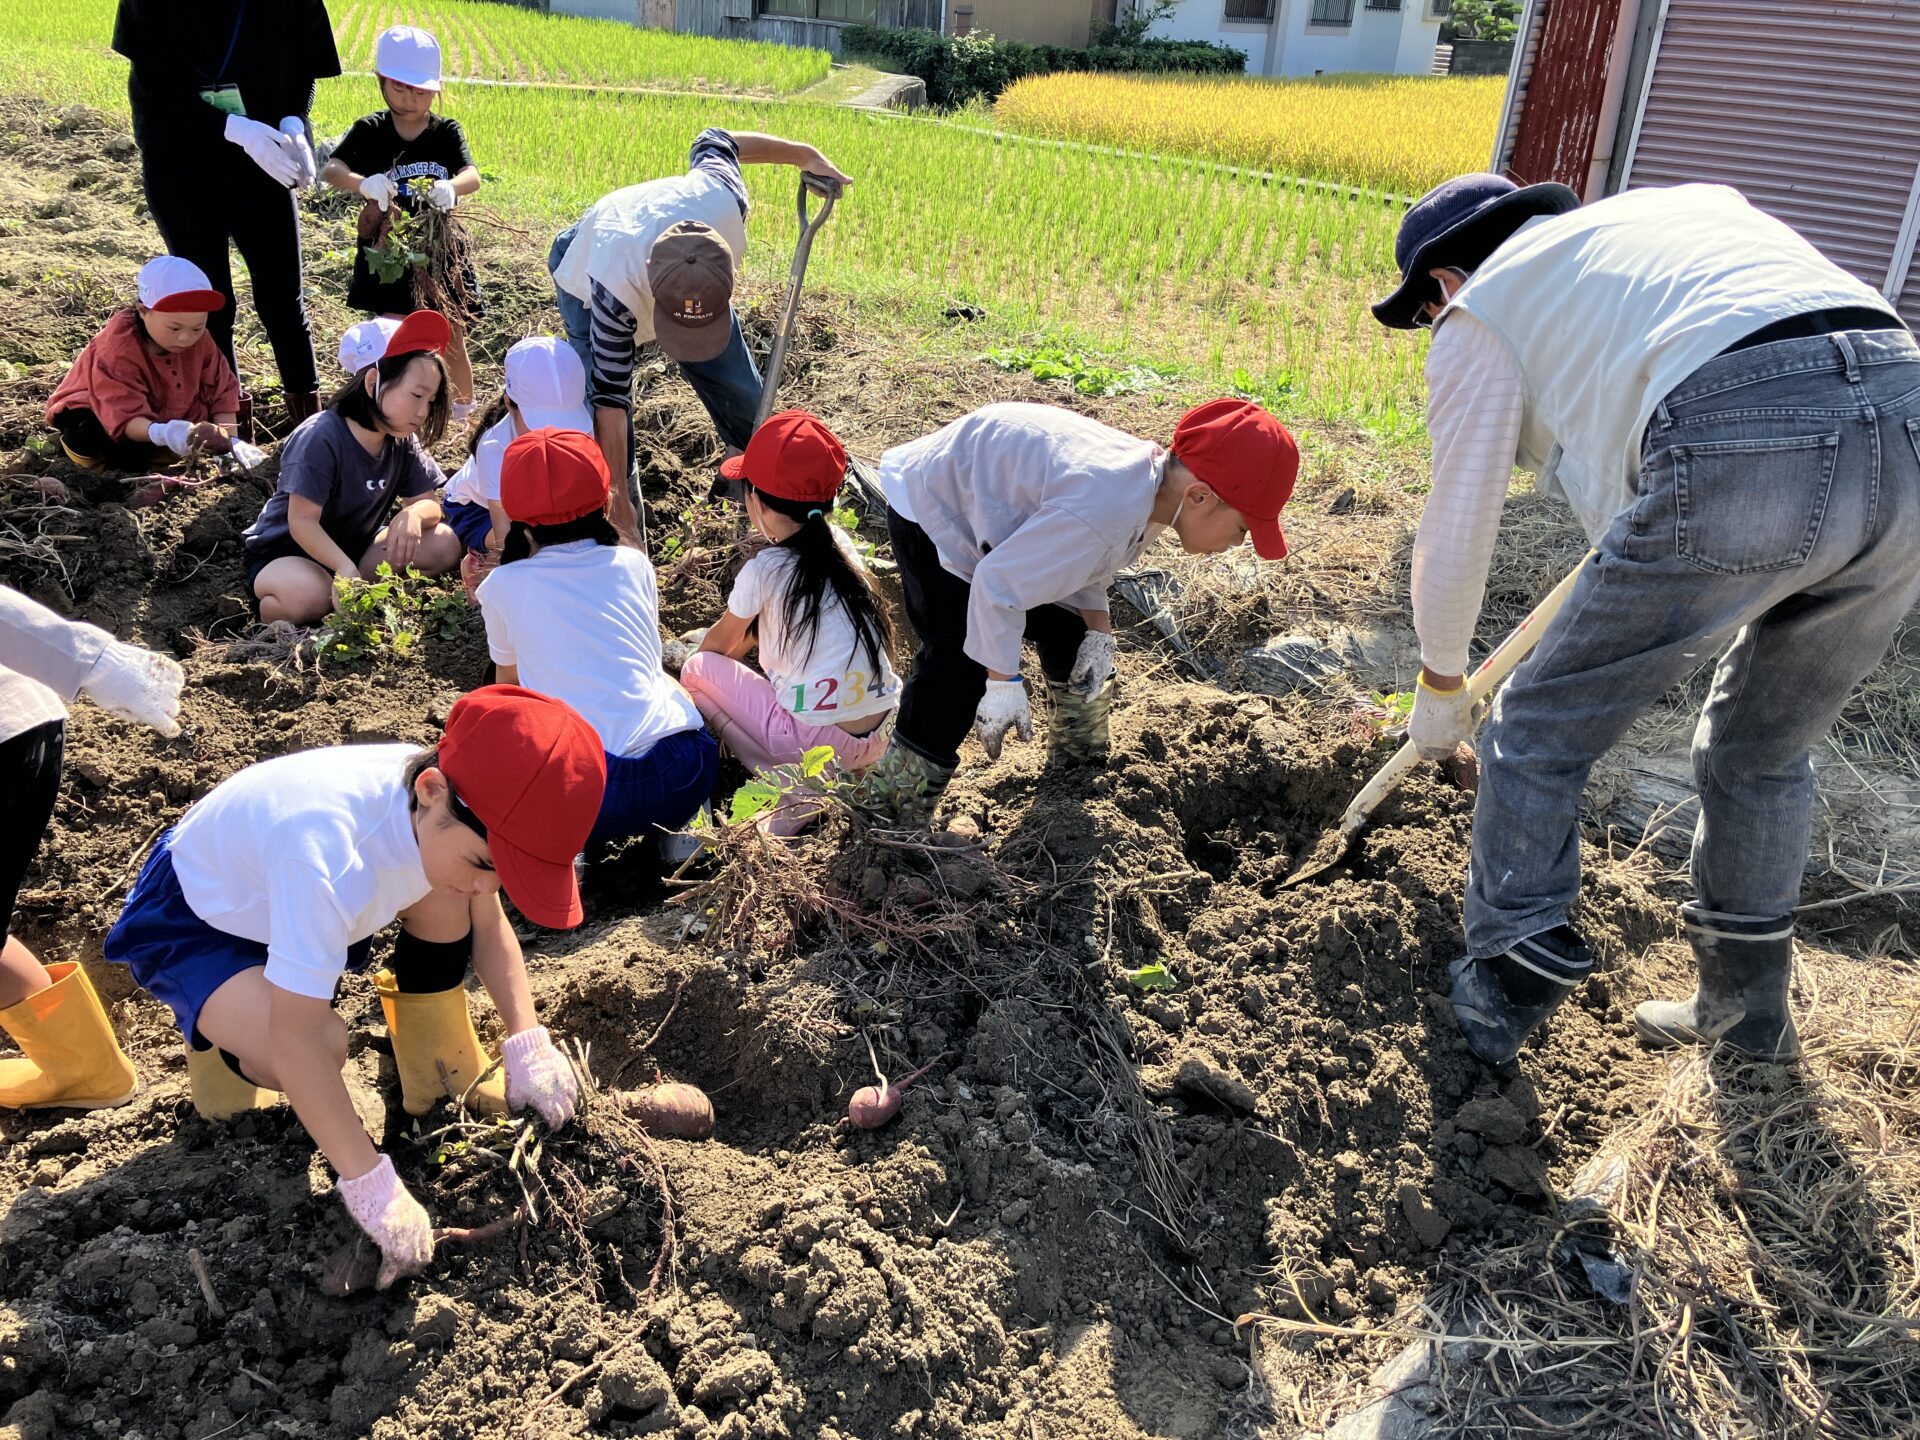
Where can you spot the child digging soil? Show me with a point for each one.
(407, 156)
(341, 471)
(152, 380)
(825, 640)
(574, 613)
(248, 912)
(68, 1055)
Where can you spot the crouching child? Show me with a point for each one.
(152, 384)
(248, 912)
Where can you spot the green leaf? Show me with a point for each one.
(1152, 977)
(815, 760)
(753, 799)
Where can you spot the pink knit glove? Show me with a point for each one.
(540, 1076)
(393, 1220)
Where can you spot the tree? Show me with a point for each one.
(1484, 19)
(1141, 16)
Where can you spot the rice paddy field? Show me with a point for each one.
(503, 42)
(1215, 278)
(1390, 132)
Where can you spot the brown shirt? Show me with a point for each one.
(120, 376)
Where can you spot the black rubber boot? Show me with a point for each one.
(1500, 1000)
(1746, 965)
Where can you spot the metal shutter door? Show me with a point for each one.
(1533, 24)
(1810, 110)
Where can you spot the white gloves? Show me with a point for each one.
(379, 189)
(296, 132)
(540, 1076)
(176, 435)
(247, 456)
(393, 1220)
(442, 195)
(267, 148)
(1441, 719)
(1002, 708)
(136, 684)
(1093, 665)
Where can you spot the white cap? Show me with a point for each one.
(546, 380)
(408, 54)
(365, 343)
(168, 283)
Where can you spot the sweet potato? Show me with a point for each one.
(681, 1112)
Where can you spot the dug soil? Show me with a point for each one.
(1093, 1180)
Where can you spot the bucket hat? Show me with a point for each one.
(1460, 222)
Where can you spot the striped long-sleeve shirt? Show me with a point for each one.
(605, 266)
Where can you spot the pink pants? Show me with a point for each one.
(739, 707)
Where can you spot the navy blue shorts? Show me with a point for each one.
(470, 522)
(175, 955)
(661, 789)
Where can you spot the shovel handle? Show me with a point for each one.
(1482, 683)
(827, 188)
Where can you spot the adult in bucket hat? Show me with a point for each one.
(658, 262)
(1010, 524)
(1731, 418)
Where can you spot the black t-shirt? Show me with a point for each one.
(272, 50)
(373, 146)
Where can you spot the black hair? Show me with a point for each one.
(485, 421)
(355, 404)
(820, 565)
(429, 759)
(522, 537)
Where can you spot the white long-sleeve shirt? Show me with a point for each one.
(1476, 407)
(44, 659)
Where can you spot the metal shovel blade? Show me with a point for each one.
(1333, 849)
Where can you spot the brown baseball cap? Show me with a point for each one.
(691, 273)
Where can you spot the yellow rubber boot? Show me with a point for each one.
(432, 1033)
(71, 1059)
(218, 1093)
(85, 462)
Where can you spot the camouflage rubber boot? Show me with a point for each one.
(904, 785)
(1078, 734)
(1499, 1000)
(1746, 965)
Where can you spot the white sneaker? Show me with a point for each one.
(677, 848)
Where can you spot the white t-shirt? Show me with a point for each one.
(830, 681)
(478, 481)
(305, 854)
(582, 621)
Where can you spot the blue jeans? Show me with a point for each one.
(1779, 516)
(660, 790)
(728, 385)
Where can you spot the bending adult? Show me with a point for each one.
(220, 92)
(1733, 419)
(658, 261)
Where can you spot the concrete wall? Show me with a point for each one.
(709, 17)
(627, 10)
(1389, 42)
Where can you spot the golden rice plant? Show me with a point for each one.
(1398, 133)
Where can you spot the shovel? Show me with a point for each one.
(1334, 848)
(829, 190)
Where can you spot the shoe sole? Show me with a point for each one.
(80, 1103)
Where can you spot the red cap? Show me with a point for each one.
(1247, 458)
(548, 477)
(793, 456)
(422, 330)
(533, 771)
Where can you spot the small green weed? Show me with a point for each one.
(384, 616)
(1086, 375)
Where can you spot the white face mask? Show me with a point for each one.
(1154, 532)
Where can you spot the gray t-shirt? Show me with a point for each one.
(322, 461)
